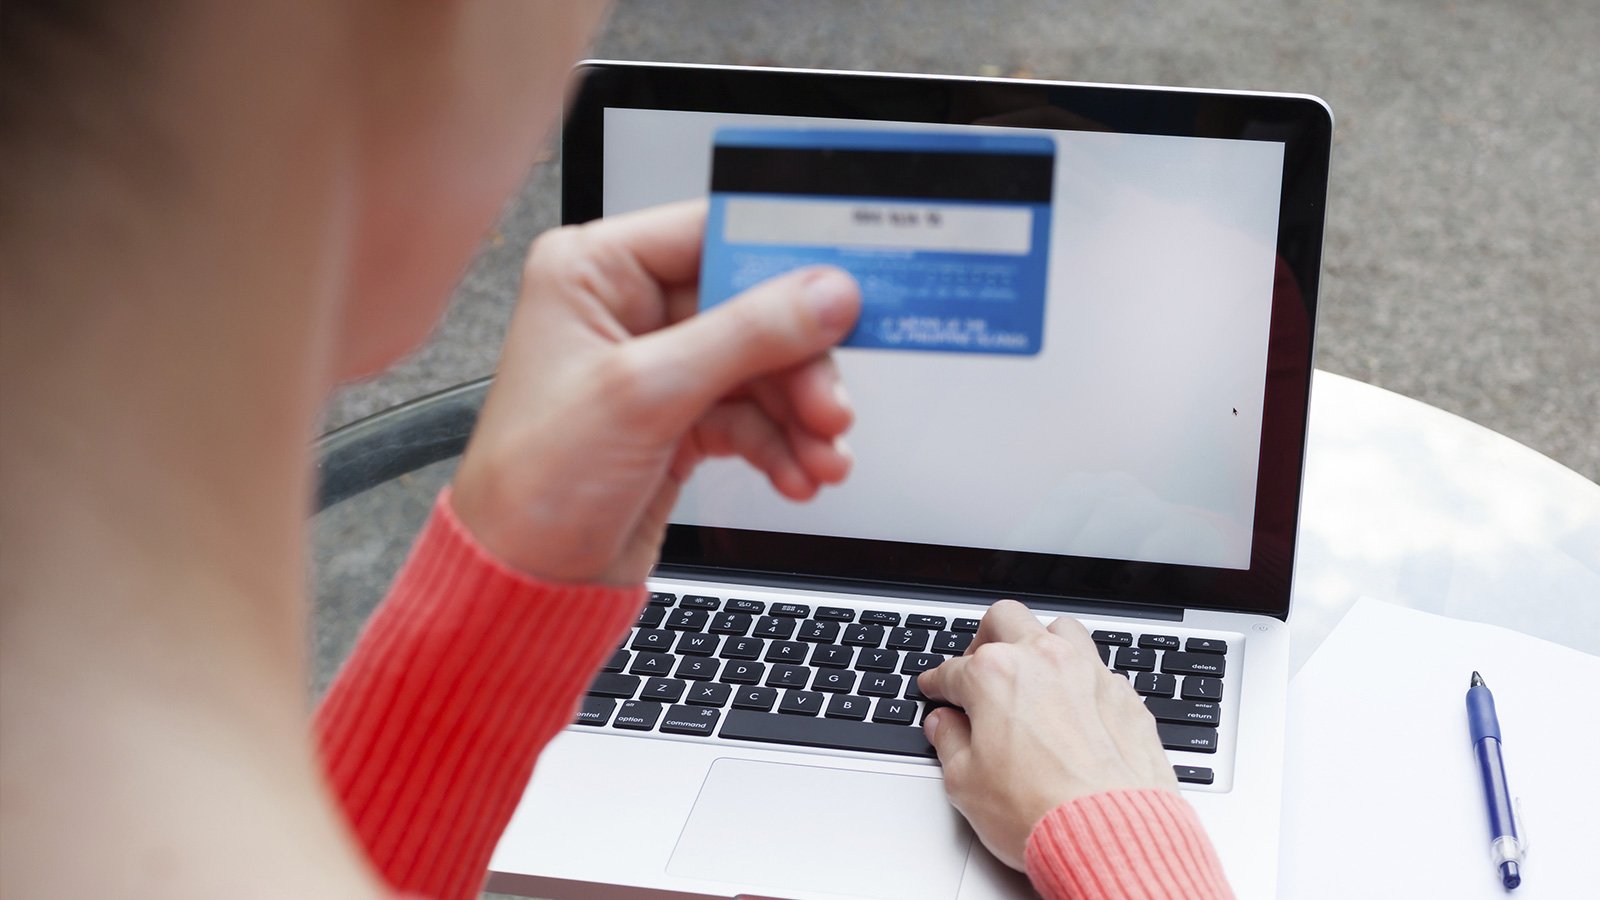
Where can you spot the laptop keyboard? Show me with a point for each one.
(840, 678)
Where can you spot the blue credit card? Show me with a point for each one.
(948, 234)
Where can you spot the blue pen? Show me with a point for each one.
(1505, 845)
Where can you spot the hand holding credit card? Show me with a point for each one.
(947, 234)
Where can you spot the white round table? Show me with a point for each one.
(1415, 506)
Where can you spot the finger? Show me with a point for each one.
(1007, 621)
(950, 733)
(682, 302)
(821, 455)
(742, 429)
(798, 462)
(947, 681)
(824, 461)
(630, 264)
(665, 240)
(1131, 727)
(771, 327)
(817, 396)
(1073, 632)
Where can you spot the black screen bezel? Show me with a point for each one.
(1303, 124)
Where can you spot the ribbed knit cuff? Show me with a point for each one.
(1145, 843)
(463, 674)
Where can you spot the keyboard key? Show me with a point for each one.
(742, 648)
(880, 617)
(877, 660)
(595, 711)
(760, 698)
(697, 668)
(773, 627)
(914, 690)
(968, 625)
(1155, 684)
(1190, 712)
(917, 663)
(692, 601)
(836, 613)
(932, 623)
(877, 684)
(1115, 638)
(1187, 737)
(709, 693)
(666, 690)
(909, 639)
(1194, 774)
(836, 734)
(650, 617)
(688, 620)
(818, 632)
(837, 681)
(653, 639)
(617, 662)
(745, 606)
(953, 643)
(637, 715)
(730, 623)
(609, 685)
(1175, 663)
(1205, 645)
(800, 703)
(738, 671)
(662, 598)
(787, 652)
(847, 706)
(790, 610)
(788, 676)
(895, 712)
(863, 635)
(1135, 659)
(692, 643)
(652, 664)
(831, 655)
(1158, 642)
(1105, 653)
(690, 720)
(1197, 687)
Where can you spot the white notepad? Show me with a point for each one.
(1381, 792)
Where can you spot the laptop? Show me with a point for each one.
(1110, 424)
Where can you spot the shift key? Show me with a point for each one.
(1194, 738)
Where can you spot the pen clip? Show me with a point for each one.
(1517, 822)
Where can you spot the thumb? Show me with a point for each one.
(950, 732)
(777, 324)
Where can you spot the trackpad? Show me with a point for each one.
(793, 827)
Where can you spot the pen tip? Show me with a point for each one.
(1477, 680)
(1510, 874)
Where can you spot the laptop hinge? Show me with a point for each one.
(1050, 602)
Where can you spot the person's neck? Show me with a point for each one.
(161, 382)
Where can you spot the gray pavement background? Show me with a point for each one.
(1462, 262)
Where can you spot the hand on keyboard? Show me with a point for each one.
(609, 393)
(1041, 721)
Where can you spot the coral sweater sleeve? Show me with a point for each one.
(1145, 844)
(429, 733)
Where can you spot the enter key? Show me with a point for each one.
(1186, 712)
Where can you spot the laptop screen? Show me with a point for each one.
(1064, 352)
